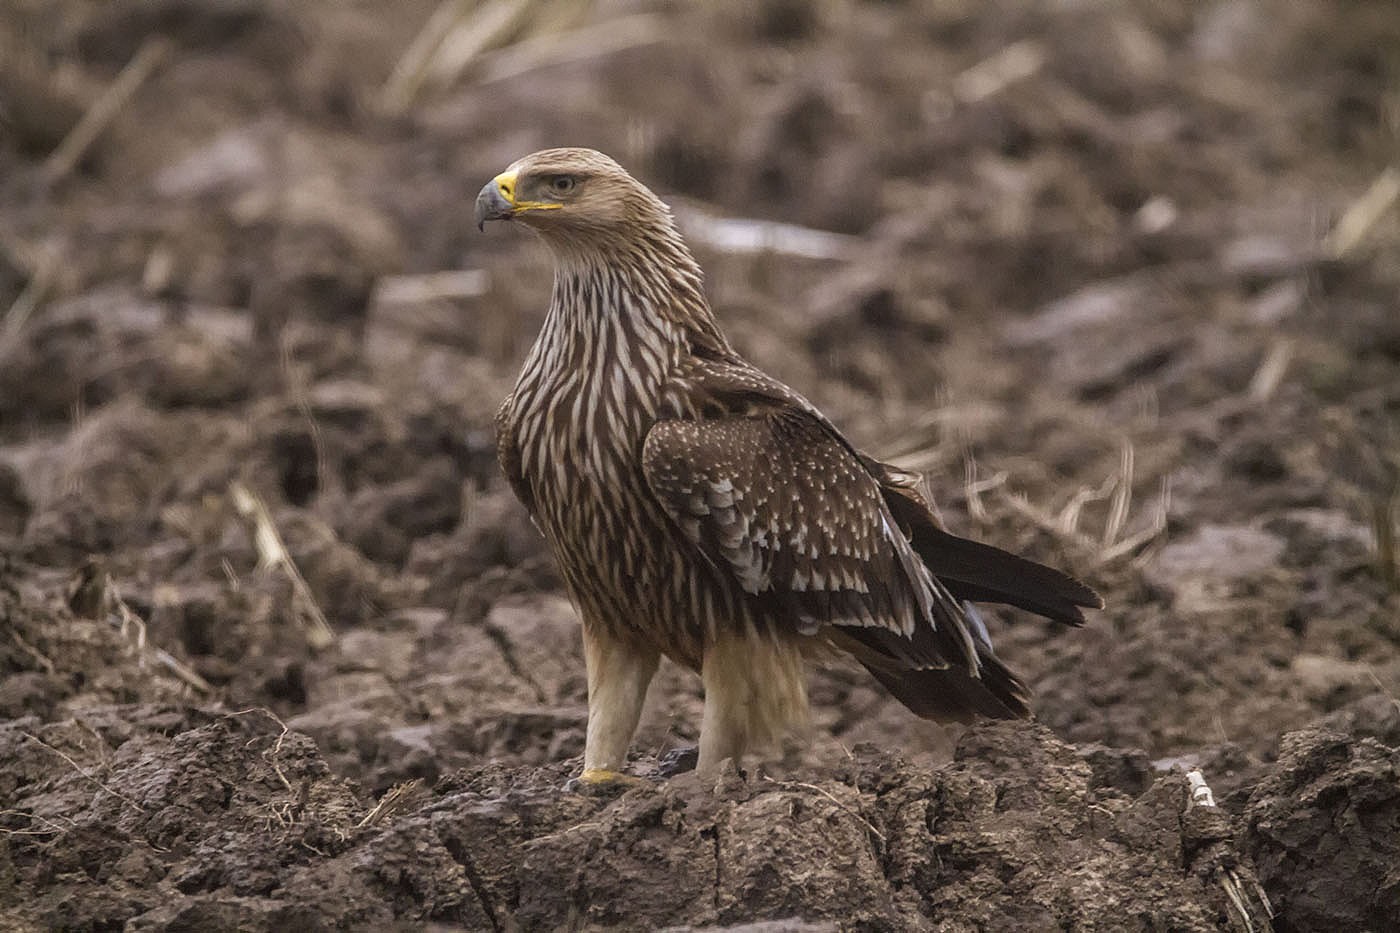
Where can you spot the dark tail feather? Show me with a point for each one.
(972, 571)
(945, 694)
(982, 573)
(953, 695)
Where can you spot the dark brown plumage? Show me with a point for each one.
(701, 509)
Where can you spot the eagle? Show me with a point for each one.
(700, 509)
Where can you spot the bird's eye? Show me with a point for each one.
(562, 184)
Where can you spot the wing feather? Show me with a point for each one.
(834, 543)
(508, 455)
(798, 522)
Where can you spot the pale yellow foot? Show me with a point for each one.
(597, 780)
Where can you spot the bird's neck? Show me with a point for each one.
(620, 326)
(639, 306)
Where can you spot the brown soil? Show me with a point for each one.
(1078, 251)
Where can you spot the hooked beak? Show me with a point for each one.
(498, 201)
(495, 201)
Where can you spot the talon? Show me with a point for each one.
(598, 780)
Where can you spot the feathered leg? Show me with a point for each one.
(618, 675)
(755, 694)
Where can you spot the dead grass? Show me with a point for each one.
(273, 556)
(85, 773)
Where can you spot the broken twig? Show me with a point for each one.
(1201, 796)
(1122, 495)
(84, 772)
(433, 286)
(35, 291)
(746, 237)
(133, 628)
(392, 800)
(273, 555)
(1016, 62)
(270, 756)
(407, 77)
(104, 110)
(1363, 214)
(578, 45)
(788, 785)
(489, 26)
(1270, 373)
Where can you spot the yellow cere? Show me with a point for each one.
(506, 183)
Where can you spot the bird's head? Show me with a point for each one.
(570, 197)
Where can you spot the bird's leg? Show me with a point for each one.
(755, 693)
(723, 732)
(618, 674)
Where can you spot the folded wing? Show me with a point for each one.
(829, 543)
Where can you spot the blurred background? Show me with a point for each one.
(1119, 275)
